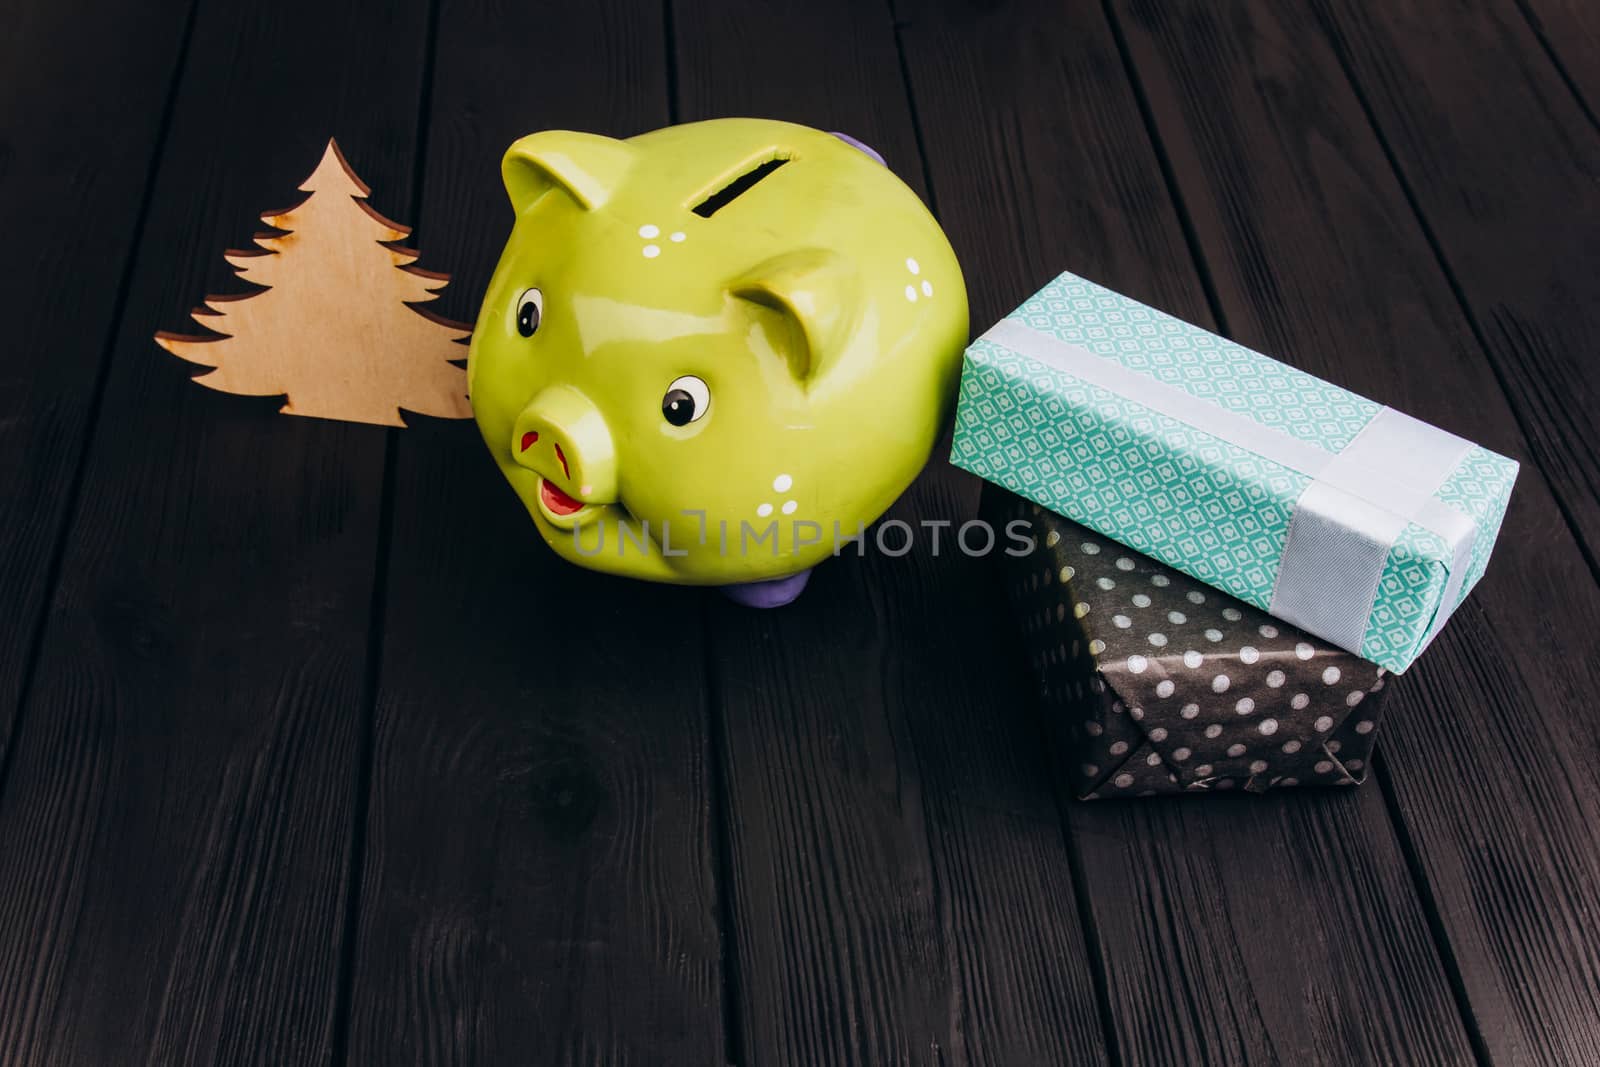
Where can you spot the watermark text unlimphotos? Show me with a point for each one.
(774, 537)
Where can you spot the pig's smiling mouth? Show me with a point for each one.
(563, 510)
(557, 501)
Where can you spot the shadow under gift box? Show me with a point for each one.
(1156, 683)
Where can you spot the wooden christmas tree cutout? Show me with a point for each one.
(334, 328)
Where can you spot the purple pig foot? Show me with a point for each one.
(772, 593)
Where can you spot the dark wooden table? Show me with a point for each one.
(310, 752)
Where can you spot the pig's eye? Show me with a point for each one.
(530, 309)
(687, 400)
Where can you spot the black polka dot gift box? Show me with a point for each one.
(1159, 684)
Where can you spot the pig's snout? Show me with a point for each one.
(563, 437)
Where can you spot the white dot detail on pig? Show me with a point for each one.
(782, 483)
(764, 510)
(911, 293)
(652, 251)
(649, 231)
(678, 237)
(789, 506)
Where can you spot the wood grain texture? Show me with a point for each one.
(1570, 31)
(178, 815)
(539, 881)
(73, 179)
(900, 891)
(557, 759)
(1317, 256)
(1283, 928)
(1503, 164)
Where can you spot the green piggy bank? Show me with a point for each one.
(713, 353)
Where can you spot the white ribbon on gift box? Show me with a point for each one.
(1344, 524)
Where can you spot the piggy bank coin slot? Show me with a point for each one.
(737, 188)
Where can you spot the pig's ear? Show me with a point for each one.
(587, 166)
(817, 293)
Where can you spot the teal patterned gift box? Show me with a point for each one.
(1342, 516)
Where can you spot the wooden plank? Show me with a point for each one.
(1501, 160)
(1232, 930)
(177, 819)
(1570, 32)
(72, 193)
(900, 889)
(539, 883)
(1314, 252)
